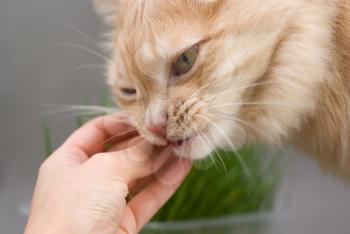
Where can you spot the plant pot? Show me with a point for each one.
(258, 223)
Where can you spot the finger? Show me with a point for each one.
(90, 138)
(121, 145)
(140, 159)
(146, 204)
(136, 186)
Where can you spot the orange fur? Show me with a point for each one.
(275, 72)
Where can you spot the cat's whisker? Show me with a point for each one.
(199, 134)
(81, 114)
(185, 145)
(196, 93)
(227, 139)
(101, 66)
(82, 107)
(229, 117)
(61, 108)
(258, 84)
(74, 113)
(80, 111)
(212, 157)
(225, 153)
(272, 104)
(72, 26)
(216, 151)
(85, 48)
(103, 144)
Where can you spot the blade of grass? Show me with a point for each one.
(47, 140)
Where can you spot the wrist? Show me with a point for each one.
(45, 226)
(59, 225)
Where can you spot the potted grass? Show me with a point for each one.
(219, 196)
(222, 200)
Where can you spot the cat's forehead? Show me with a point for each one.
(152, 61)
(154, 33)
(156, 20)
(152, 57)
(169, 44)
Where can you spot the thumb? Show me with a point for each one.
(138, 160)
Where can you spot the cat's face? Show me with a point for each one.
(189, 71)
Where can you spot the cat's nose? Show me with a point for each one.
(158, 127)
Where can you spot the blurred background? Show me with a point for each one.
(45, 61)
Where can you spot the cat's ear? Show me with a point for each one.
(108, 8)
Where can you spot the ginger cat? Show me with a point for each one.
(205, 74)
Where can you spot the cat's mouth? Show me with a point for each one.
(181, 142)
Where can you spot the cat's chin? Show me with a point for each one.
(200, 147)
(193, 149)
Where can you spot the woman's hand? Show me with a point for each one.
(82, 188)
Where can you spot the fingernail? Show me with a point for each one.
(120, 117)
(139, 151)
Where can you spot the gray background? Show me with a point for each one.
(34, 72)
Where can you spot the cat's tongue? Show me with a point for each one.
(179, 143)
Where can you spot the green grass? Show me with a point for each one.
(47, 140)
(216, 192)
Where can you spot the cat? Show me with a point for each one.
(207, 74)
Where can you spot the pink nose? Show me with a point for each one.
(158, 127)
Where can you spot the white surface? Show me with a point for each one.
(313, 202)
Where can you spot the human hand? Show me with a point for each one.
(83, 189)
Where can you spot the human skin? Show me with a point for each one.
(82, 188)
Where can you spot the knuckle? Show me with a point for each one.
(45, 167)
(104, 159)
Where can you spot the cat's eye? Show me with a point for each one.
(129, 92)
(186, 61)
